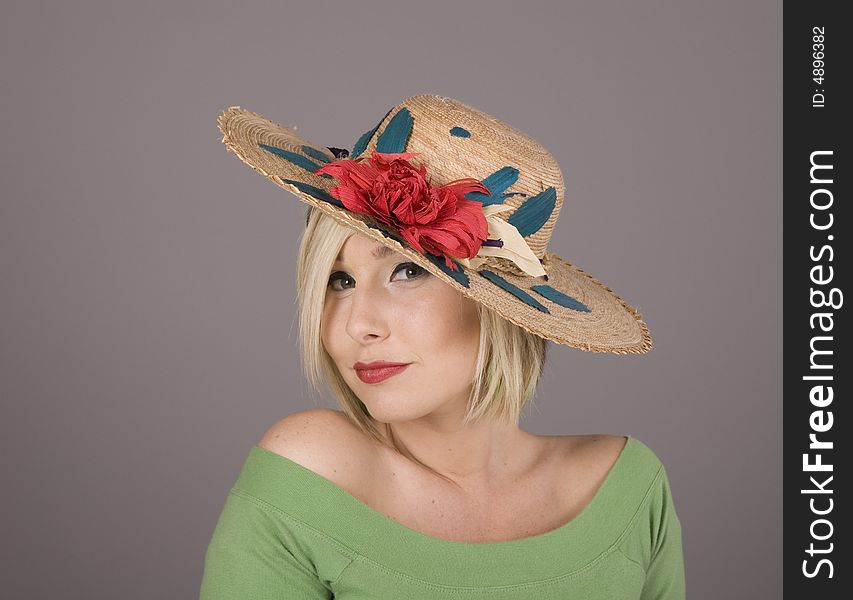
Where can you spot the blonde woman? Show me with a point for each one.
(427, 300)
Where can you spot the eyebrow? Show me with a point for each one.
(378, 253)
(381, 252)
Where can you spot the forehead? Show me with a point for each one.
(357, 244)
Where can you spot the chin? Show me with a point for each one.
(392, 408)
(386, 413)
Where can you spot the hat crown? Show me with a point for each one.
(458, 141)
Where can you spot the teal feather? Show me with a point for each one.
(396, 134)
(318, 154)
(459, 275)
(534, 212)
(514, 290)
(361, 144)
(497, 183)
(296, 159)
(560, 298)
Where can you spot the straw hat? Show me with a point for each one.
(467, 197)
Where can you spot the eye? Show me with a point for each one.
(415, 269)
(338, 276)
(410, 266)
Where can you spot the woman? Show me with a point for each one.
(426, 302)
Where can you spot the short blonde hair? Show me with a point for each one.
(509, 362)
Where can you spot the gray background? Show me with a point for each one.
(147, 276)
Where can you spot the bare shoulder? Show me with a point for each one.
(600, 448)
(592, 456)
(324, 441)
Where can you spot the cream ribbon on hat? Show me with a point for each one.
(514, 247)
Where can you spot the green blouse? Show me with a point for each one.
(286, 532)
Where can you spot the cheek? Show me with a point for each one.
(452, 335)
(331, 331)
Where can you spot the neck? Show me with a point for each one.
(480, 456)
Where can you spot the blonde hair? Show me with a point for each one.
(510, 359)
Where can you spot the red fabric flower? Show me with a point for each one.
(434, 219)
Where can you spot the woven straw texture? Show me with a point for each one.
(607, 323)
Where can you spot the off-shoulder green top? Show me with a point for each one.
(285, 532)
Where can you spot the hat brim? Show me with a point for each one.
(572, 307)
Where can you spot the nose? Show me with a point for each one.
(368, 318)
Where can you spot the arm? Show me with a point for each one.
(247, 559)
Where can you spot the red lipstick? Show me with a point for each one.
(378, 370)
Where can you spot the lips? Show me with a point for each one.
(379, 370)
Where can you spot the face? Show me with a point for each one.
(382, 307)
